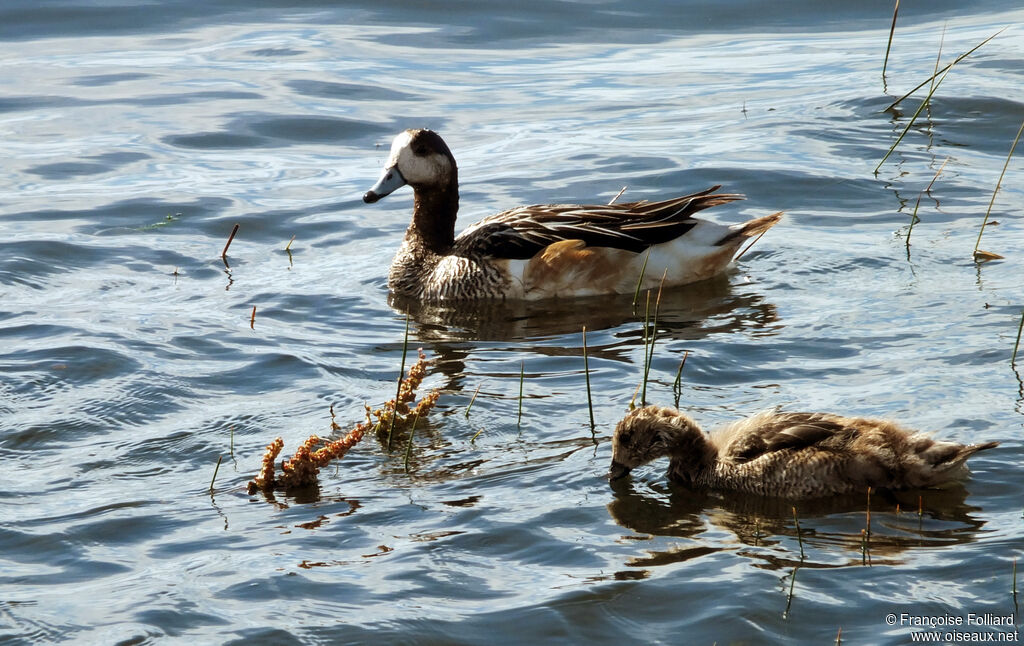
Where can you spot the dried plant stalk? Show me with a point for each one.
(302, 468)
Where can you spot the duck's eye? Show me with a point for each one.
(625, 438)
(420, 151)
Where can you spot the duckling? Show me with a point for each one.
(789, 455)
(546, 251)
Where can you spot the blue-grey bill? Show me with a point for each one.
(390, 180)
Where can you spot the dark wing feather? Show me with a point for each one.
(634, 226)
(793, 431)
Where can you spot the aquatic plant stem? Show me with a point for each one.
(522, 368)
(401, 373)
(944, 69)
(408, 447)
(1014, 577)
(910, 124)
(1016, 344)
(998, 184)
(231, 237)
(799, 537)
(892, 30)
(640, 280)
(473, 399)
(215, 470)
(649, 358)
(643, 376)
(586, 374)
(913, 218)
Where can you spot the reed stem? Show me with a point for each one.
(910, 124)
(944, 69)
(288, 246)
(215, 470)
(1016, 344)
(998, 184)
(640, 280)
(799, 537)
(401, 373)
(408, 447)
(231, 237)
(649, 358)
(473, 399)
(888, 46)
(522, 368)
(586, 374)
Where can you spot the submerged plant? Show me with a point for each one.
(302, 468)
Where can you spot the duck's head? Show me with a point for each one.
(651, 432)
(419, 158)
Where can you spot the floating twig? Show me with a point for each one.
(231, 237)
(993, 200)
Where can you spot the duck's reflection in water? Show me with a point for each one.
(453, 332)
(830, 529)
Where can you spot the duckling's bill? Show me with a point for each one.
(390, 180)
(618, 470)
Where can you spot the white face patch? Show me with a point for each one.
(433, 168)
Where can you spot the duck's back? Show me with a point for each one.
(803, 455)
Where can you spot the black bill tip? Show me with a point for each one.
(618, 470)
(370, 197)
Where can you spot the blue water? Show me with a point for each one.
(136, 135)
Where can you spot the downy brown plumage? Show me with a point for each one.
(792, 455)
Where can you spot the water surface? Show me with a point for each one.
(136, 135)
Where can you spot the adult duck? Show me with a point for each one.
(544, 251)
(791, 455)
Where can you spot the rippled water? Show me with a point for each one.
(136, 135)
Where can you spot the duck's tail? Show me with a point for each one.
(750, 229)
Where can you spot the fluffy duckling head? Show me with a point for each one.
(648, 433)
(419, 158)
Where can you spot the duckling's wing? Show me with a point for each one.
(523, 232)
(785, 431)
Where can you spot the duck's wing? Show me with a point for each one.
(633, 226)
(784, 431)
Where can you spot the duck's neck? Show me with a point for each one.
(433, 217)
